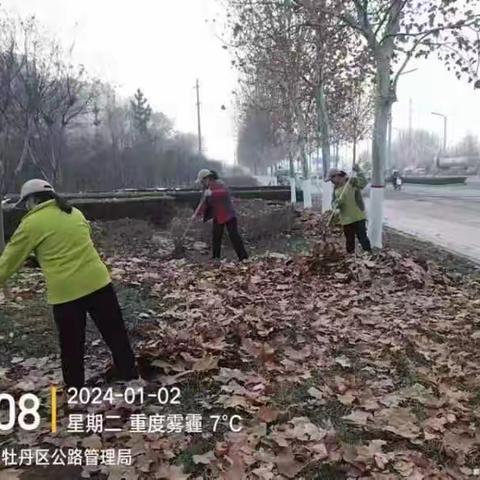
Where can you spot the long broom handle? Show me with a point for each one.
(337, 201)
(200, 205)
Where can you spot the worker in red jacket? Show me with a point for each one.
(217, 205)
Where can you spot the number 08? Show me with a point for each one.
(25, 412)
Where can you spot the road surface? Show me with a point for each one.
(448, 216)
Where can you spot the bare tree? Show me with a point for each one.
(395, 32)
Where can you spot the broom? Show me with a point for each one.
(334, 206)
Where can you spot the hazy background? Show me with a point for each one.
(162, 46)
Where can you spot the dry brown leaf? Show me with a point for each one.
(404, 468)
(400, 421)
(171, 472)
(264, 472)
(92, 441)
(206, 363)
(234, 401)
(10, 474)
(347, 398)
(287, 465)
(304, 430)
(358, 417)
(344, 361)
(121, 472)
(205, 458)
(268, 414)
(315, 393)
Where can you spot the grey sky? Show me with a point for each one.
(162, 46)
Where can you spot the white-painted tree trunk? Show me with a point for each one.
(327, 190)
(383, 105)
(307, 193)
(293, 191)
(375, 224)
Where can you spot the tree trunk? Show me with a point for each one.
(2, 228)
(324, 129)
(293, 191)
(23, 156)
(383, 105)
(306, 184)
(354, 162)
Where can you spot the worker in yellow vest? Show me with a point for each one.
(77, 280)
(347, 200)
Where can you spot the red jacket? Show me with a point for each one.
(218, 205)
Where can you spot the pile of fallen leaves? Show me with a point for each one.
(340, 367)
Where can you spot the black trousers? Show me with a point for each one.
(235, 238)
(358, 229)
(104, 310)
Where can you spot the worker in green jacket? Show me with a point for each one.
(347, 200)
(77, 280)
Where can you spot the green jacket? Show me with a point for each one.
(64, 250)
(351, 206)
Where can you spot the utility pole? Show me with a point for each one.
(197, 86)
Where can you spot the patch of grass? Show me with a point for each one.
(415, 356)
(288, 395)
(324, 471)
(353, 356)
(186, 457)
(194, 391)
(473, 460)
(298, 245)
(405, 370)
(418, 410)
(133, 302)
(299, 403)
(475, 402)
(29, 332)
(434, 450)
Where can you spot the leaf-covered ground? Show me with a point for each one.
(340, 367)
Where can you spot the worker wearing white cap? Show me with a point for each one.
(77, 280)
(217, 205)
(347, 198)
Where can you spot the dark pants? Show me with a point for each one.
(104, 310)
(234, 235)
(358, 229)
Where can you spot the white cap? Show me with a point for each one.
(203, 174)
(35, 185)
(332, 172)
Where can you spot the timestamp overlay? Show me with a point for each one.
(103, 414)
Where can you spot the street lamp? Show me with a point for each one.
(389, 133)
(444, 129)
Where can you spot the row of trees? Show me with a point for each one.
(318, 72)
(59, 123)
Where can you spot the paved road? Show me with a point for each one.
(446, 215)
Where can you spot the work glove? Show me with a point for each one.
(207, 193)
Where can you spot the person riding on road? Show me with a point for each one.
(396, 180)
(77, 280)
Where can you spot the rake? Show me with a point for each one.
(179, 247)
